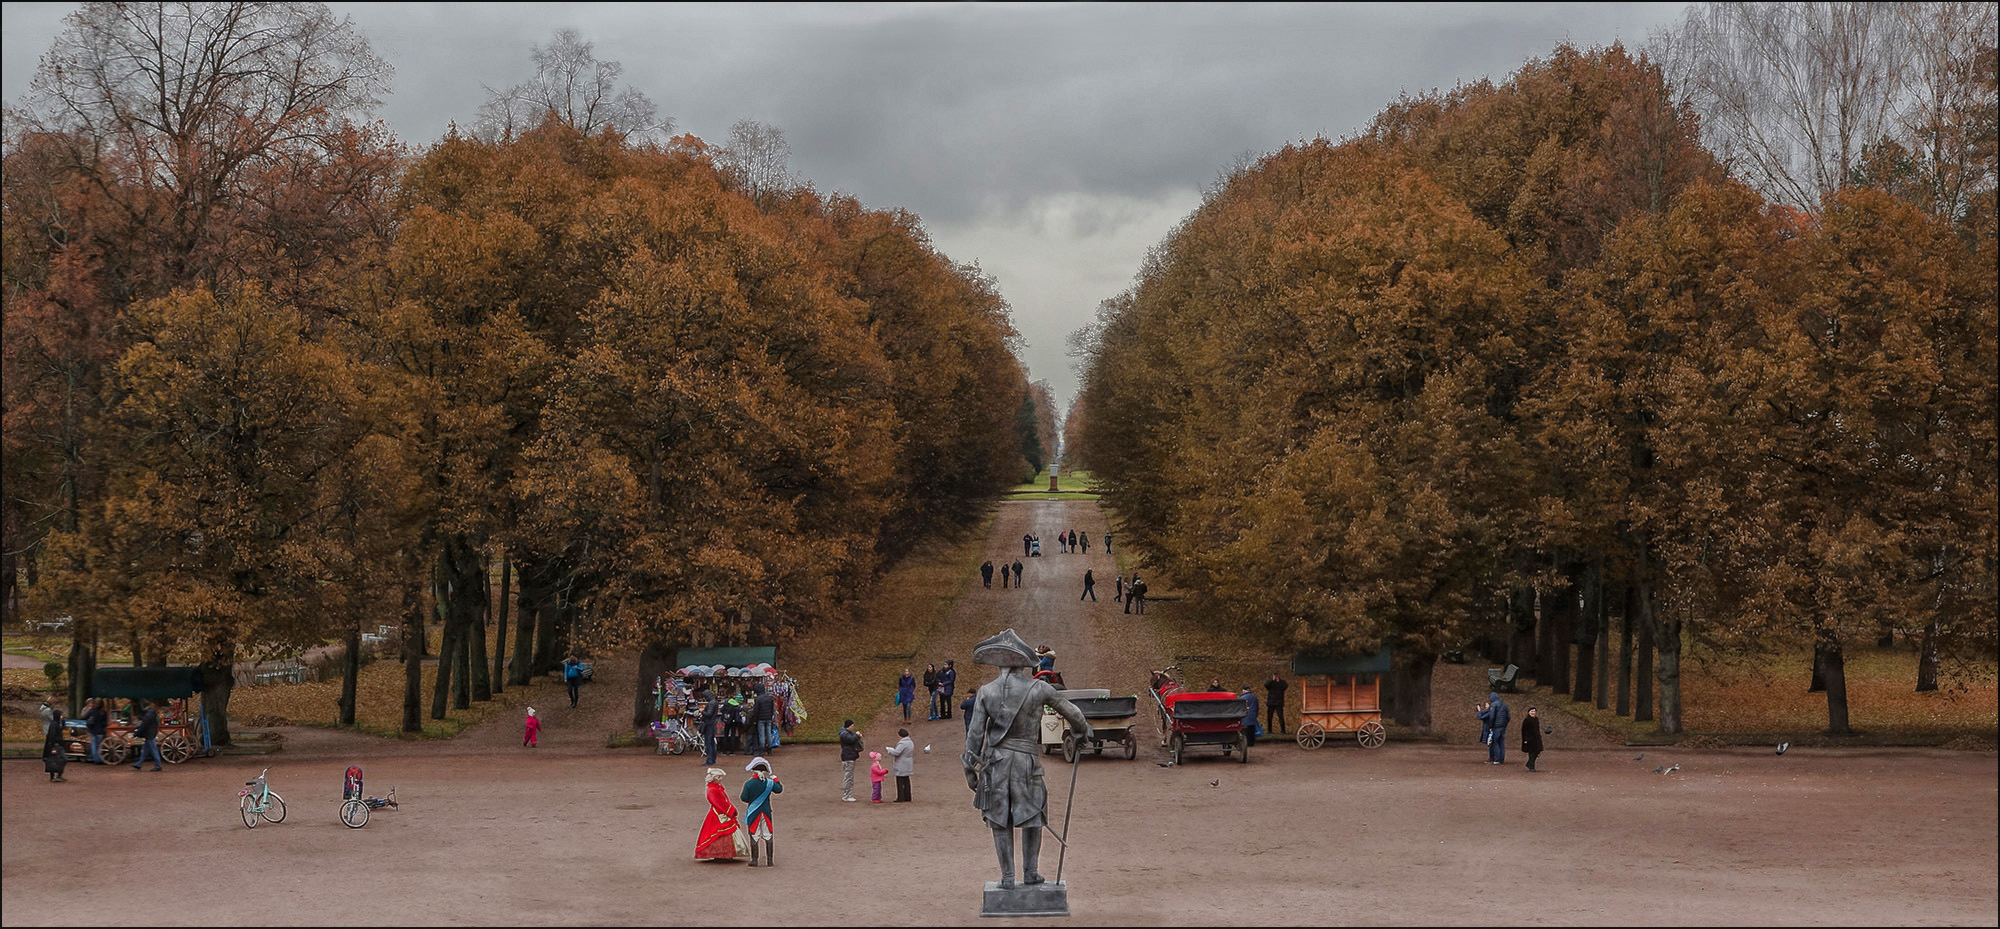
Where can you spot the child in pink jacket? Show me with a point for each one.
(534, 729)
(876, 773)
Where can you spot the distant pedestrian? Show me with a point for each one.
(930, 687)
(1274, 703)
(1531, 736)
(1089, 586)
(148, 732)
(986, 573)
(850, 752)
(1250, 718)
(1118, 594)
(906, 692)
(54, 757)
(1004, 572)
(905, 753)
(1495, 717)
(1062, 542)
(876, 773)
(531, 736)
(764, 718)
(1072, 540)
(1107, 543)
(711, 723)
(966, 706)
(1027, 539)
(1017, 574)
(1135, 595)
(96, 722)
(572, 676)
(947, 685)
(1084, 539)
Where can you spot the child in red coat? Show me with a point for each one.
(876, 773)
(534, 729)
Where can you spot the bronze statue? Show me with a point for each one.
(1003, 752)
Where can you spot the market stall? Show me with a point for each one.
(733, 674)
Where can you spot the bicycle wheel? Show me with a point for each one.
(354, 813)
(677, 743)
(274, 808)
(250, 811)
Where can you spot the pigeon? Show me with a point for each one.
(1660, 770)
(1548, 730)
(1639, 758)
(927, 748)
(1215, 783)
(1165, 764)
(1782, 746)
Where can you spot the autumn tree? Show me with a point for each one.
(580, 90)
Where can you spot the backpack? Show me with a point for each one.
(571, 671)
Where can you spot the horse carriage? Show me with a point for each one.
(1341, 695)
(183, 729)
(1110, 720)
(1200, 719)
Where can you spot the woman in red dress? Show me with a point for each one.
(718, 826)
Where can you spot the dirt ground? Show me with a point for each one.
(1408, 834)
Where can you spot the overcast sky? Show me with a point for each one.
(1053, 144)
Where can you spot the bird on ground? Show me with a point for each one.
(1671, 770)
(1639, 758)
(1782, 746)
(1215, 783)
(927, 748)
(1165, 764)
(1660, 770)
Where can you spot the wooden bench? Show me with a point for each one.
(1499, 679)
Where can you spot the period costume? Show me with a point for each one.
(719, 827)
(756, 797)
(1003, 750)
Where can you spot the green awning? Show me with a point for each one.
(1304, 664)
(733, 657)
(146, 683)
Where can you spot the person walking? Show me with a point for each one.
(54, 758)
(966, 705)
(719, 828)
(906, 692)
(1493, 714)
(1089, 586)
(1085, 540)
(1135, 594)
(711, 724)
(947, 685)
(986, 573)
(1118, 593)
(1249, 718)
(905, 753)
(1004, 575)
(930, 687)
(1072, 540)
(756, 797)
(1531, 736)
(96, 722)
(1274, 704)
(1027, 538)
(572, 676)
(534, 730)
(1107, 543)
(876, 773)
(149, 733)
(1017, 575)
(850, 752)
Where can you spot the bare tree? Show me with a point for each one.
(1793, 95)
(580, 90)
(758, 159)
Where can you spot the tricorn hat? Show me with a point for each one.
(1006, 650)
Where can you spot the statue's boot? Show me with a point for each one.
(1003, 843)
(1031, 855)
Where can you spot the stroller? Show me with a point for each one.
(355, 806)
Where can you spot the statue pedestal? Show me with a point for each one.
(1047, 899)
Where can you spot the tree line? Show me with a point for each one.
(274, 378)
(1524, 358)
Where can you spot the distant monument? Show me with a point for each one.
(1003, 767)
(1052, 479)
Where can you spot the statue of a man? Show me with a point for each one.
(1003, 752)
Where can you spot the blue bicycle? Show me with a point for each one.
(259, 801)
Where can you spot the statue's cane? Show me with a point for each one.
(1067, 807)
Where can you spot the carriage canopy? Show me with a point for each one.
(144, 683)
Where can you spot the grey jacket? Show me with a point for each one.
(905, 754)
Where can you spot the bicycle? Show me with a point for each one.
(259, 801)
(354, 812)
(676, 736)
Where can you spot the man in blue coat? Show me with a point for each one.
(1494, 718)
(947, 685)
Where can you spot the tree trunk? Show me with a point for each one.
(1410, 679)
(413, 662)
(1545, 638)
(350, 674)
(546, 620)
(1562, 622)
(1667, 644)
(1601, 618)
(441, 611)
(1521, 631)
(1586, 636)
(500, 627)
(1642, 699)
(218, 679)
(1818, 673)
(81, 665)
(654, 660)
(525, 620)
(1835, 668)
(1629, 610)
(1927, 659)
(478, 590)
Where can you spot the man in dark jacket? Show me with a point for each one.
(97, 722)
(1494, 714)
(1531, 736)
(986, 574)
(850, 751)
(1017, 574)
(149, 732)
(1274, 704)
(765, 712)
(711, 724)
(947, 685)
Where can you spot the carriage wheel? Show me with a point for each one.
(1311, 736)
(1243, 748)
(114, 749)
(1174, 747)
(175, 748)
(1131, 746)
(1070, 746)
(1372, 735)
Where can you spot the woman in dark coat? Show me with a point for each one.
(930, 687)
(1531, 736)
(53, 757)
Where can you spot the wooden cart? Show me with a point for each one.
(1340, 695)
(183, 728)
(1110, 720)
